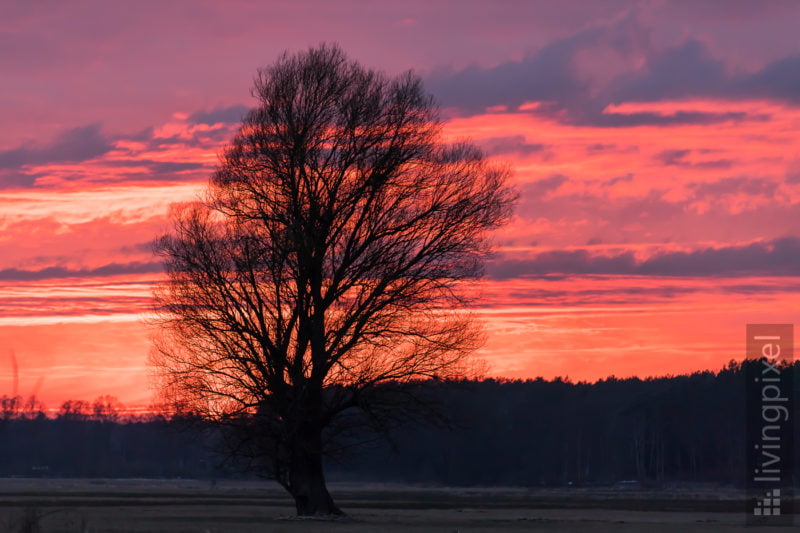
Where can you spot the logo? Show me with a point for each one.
(770, 505)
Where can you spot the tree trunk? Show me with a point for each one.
(307, 479)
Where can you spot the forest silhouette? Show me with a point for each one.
(653, 431)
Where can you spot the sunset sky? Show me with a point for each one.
(655, 145)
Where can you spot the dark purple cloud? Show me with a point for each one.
(677, 72)
(779, 80)
(220, 115)
(780, 257)
(793, 173)
(163, 167)
(138, 248)
(111, 269)
(689, 70)
(76, 144)
(736, 185)
(678, 158)
(512, 144)
(552, 76)
(562, 262)
(600, 147)
(627, 178)
(157, 167)
(159, 170)
(16, 179)
(546, 75)
(590, 115)
(543, 295)
(538, 189)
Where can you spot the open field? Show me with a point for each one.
(197, 506)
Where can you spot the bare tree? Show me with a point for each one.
(324, 269)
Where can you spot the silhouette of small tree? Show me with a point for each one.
(322, 274)
(75, 410)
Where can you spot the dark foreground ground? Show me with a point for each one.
(30, 505)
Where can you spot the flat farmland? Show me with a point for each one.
(60, 505)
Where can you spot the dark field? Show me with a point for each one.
(195, 506)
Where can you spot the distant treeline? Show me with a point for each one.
(527, 433)
(81, 442)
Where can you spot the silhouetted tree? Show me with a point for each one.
(75, 410)
(322, 274)
(106, 408)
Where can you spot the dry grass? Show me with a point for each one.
(128, 506)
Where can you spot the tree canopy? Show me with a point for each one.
(328, 256)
